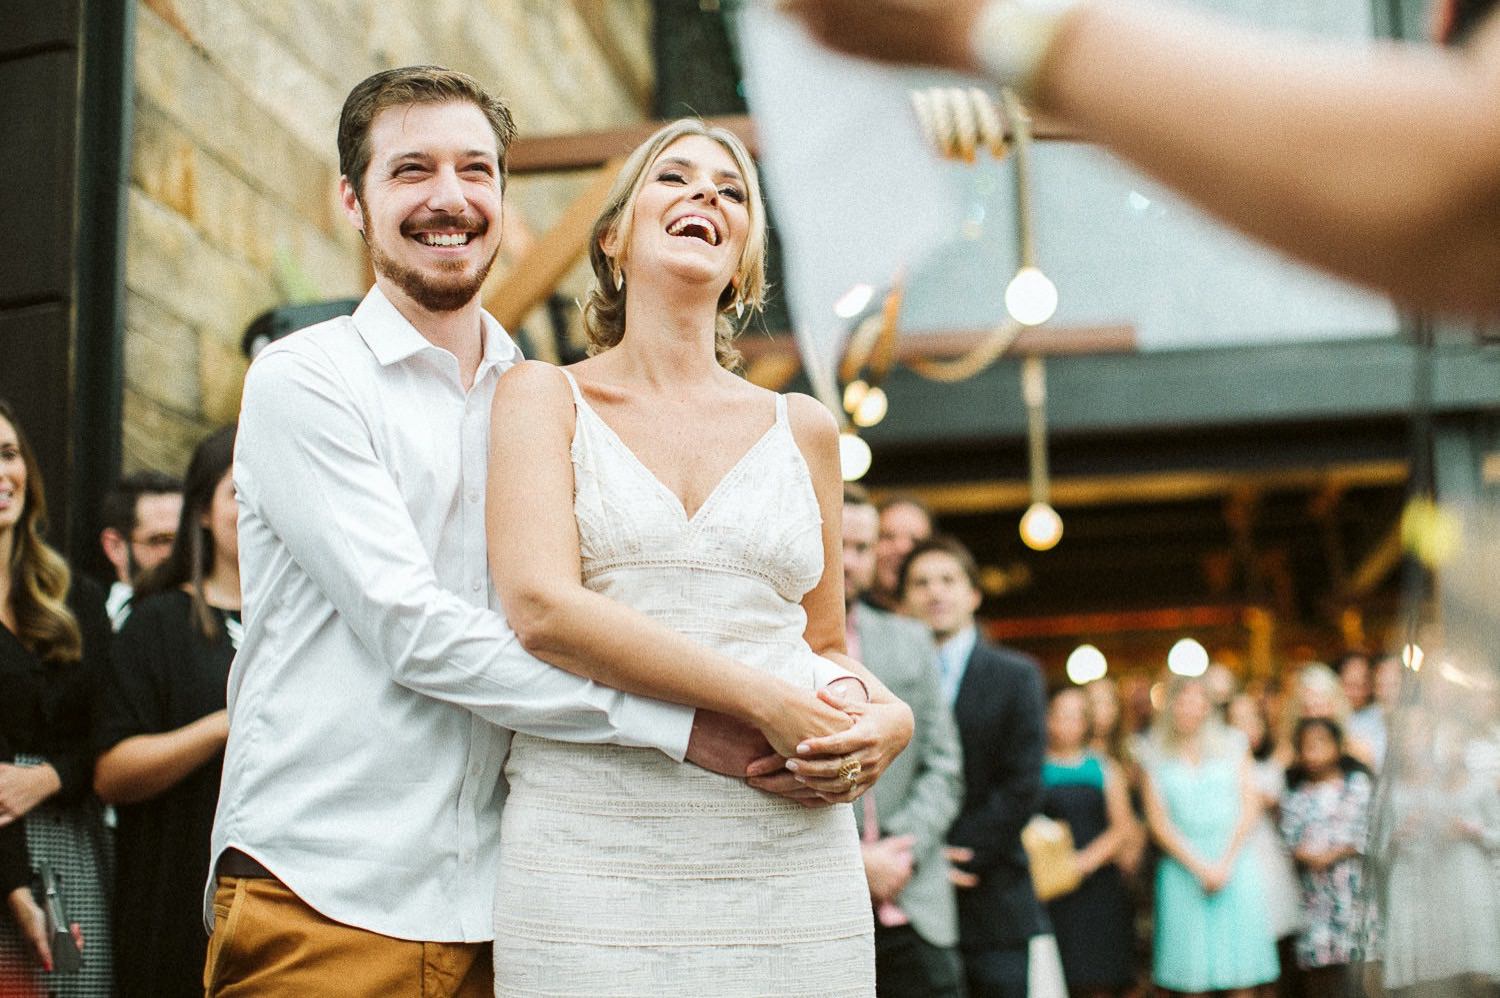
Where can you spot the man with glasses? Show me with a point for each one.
(140, 523)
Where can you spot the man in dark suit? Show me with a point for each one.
(904, 820)
(998, 704)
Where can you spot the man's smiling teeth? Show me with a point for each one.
(445, 238)
(681, 226)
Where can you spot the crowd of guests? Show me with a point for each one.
(112, 728)
(1218, 835)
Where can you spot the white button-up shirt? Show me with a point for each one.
(369, 703)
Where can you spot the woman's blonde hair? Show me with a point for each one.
(604, 309)
(1215, 738)
(39, 577)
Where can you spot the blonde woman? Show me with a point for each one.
(650, 480)
(1212, 932)
(53, 638)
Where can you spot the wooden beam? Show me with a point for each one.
(533, 276)
(1190, 618)
(969, 498)
(591, 150)
(772, 361)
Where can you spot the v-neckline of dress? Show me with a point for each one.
(676, 500)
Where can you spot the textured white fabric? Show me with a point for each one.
(624, 873)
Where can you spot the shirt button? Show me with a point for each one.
(466, 856)
(473, 495)
(476, 585)
(474, 771)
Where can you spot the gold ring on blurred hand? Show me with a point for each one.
(849, 769)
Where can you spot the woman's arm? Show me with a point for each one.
(1108, 843)
(1166, 834)
(536, 566)
(1378, 162)
(883, 727)
(1249, 811)
(146, 766)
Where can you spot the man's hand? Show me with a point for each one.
(23, 788)
(881, 730)
(930, 32)
(723, 745)
(888, 865)
(960, 878)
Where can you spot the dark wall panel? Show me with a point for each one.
(34, 378)
(38, 116)
(29, 25)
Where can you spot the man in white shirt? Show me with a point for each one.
(358, 826)
(140, 523)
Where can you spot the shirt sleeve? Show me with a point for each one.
(305, 463)
(130, 701)
(70, 695)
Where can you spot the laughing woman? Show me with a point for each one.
(651, 476)
(54, 637)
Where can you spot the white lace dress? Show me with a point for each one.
(625, 873)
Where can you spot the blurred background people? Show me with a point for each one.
(904, 821)
(1212, 931)
(1324, 818)
(905, 521)
(1247, 715)
(161, 731)
(140, 521)
(996, 695)
(54, 639)
(1093, 923)
(1316, 691)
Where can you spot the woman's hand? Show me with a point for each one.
(797, 716)
(32, 923)
(23, 788)
(881, 729)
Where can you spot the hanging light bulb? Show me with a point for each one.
(854, 456)
(872, 408)
(1187, 658)
(1041, 527)
(854, 393)
(1031, 297)
(1086, 664)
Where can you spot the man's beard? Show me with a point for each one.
(432, 295)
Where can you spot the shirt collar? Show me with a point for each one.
(958, 648)
(392, 338)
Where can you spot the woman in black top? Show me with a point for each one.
(53, 638)
(162, 728)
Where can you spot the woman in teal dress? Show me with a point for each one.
(1212, 930)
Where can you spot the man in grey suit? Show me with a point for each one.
(904, 820)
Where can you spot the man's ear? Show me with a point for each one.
(349, 202)
(116, 549)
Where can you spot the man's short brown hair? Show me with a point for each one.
(412, 85)
(943, 544)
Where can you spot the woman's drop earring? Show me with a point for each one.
(739, 307)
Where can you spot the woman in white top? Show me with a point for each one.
(650, 480)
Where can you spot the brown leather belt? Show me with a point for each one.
(234, 863)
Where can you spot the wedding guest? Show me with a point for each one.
(161, 731)
(1324, 816)
(54, 639)
(140, 521)
(1212, 933)
(904, 820)
(1247, 714)
(996, 695)
(905, 521)
(1094, 923)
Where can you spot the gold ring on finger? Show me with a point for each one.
(849, 769)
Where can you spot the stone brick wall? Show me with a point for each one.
(232, 199)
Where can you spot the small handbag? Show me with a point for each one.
(1050, 852)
